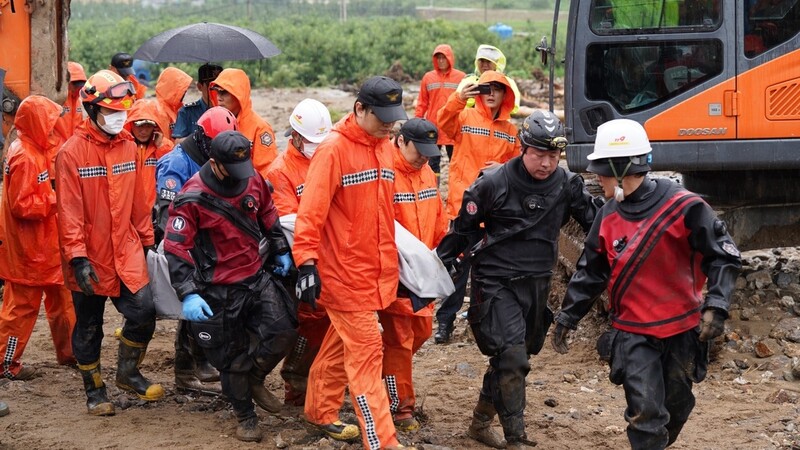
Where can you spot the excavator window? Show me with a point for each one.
(654, 16)
(633, 77)
(768, 23)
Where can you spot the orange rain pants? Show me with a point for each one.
(403, 335)
(352, 354)
(18, 316)
(313, 327)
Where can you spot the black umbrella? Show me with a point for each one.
(206, 42)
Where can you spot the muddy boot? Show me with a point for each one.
(128, 376)
(186, 379)
(96, 398)
(337, 430)
(248, 431)
(256, 376)
(443, 333)
(205, 372)
(203, 369)
(481, 427)
(514, 430)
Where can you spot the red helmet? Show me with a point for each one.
(216, 120)
(109, 90)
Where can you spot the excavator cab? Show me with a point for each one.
(714, 83)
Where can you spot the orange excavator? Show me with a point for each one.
(33, 57)
(715, 83)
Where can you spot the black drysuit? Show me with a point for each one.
(516, 221)
(211, 243)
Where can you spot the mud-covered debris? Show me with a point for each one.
(763, 350)
(783, 396)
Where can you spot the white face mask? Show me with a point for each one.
(114, 122)
(309, 149)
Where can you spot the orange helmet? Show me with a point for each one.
(109, 90)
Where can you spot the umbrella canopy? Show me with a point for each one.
(206, 42)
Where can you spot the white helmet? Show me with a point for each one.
(311, 119)
(619, 138)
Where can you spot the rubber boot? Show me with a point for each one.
(481, 427)
(96, 398)
(248, 431)
(256, 377)
(205, 372)
(514, 430)
(186, 378)
(4, 411)
(128, 376)
(203, 369)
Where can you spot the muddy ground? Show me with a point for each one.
(745, 402)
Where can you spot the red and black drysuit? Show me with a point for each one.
(654, 252)
(511, 270)
(211, 244)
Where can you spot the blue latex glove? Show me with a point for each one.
(195, 308)
(284, 261)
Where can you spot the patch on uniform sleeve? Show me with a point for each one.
(472, 208)
(166, 194)
(170, 183)
(266, 139)
(178, 223)
(730, 248)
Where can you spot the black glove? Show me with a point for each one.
(309, 286)
(559, 339)
(712, 324)
(148, 248)
(84, 274)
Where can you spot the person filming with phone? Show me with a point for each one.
(484, 137)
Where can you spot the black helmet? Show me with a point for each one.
(543, 130)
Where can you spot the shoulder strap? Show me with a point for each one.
(654, 228)
(230, 212)
(489, 241)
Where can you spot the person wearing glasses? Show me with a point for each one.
(514, 211)
(105, 230)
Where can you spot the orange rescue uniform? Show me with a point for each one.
(147, 154)
(479, 138)
(29, 261)
(73, 108)
(171, 86)
(436, 87)
(418, 208)
(287, 174)
(103, 210)
(253, 126)
(346, 224)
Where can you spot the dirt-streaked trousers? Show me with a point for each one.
(657, 376)
(137, 308)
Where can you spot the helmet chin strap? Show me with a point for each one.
(619, 193)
